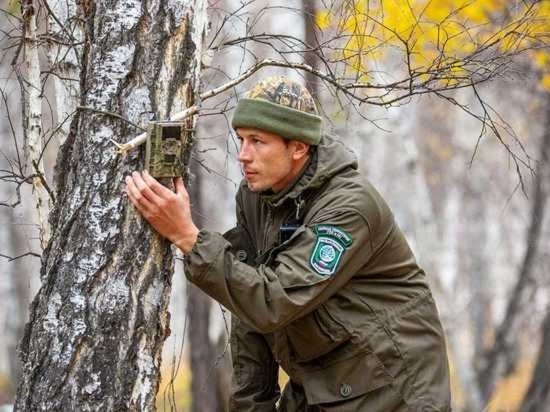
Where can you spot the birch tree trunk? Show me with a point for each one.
(31, 89)
(97, 325)
(65, 28)
(19, 299)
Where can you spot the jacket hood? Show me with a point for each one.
(328, 158)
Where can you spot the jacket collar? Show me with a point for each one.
(327, 159)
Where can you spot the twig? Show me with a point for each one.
(11, 259)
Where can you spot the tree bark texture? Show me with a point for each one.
(31, 90)
(97, 325)
(19, 299)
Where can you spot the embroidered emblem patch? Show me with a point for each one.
(331, 244)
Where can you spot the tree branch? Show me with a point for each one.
(11, 259)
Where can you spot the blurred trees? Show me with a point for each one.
(367, 59)
(502, 356)
(537, 397)
(202, 351)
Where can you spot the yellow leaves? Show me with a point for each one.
(475, 14)
(323, 19)
(545, 82)
(479, 11)
(454, 74)
(540, 25)
(353, 24)
(541, 58)
(437, 12)
(428, 33)
(423, 29)
(359, 48)
(397, 19)
(354, 52)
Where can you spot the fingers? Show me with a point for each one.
(148, 195)
(155, 186)
(142, 209)
(136, 195)
(144, 187)
(180, 187)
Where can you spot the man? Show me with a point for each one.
(318, 276)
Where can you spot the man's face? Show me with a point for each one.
(268, 161)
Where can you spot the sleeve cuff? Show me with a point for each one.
(204, 255)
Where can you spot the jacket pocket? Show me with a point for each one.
(345, 379)
(316, 334)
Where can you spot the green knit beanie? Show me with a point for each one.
(282, 106)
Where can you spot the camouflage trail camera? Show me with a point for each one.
(164, 149)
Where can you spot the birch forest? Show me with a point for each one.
(446, 105)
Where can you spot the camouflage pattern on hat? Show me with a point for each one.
(281, 106)
(284, 91)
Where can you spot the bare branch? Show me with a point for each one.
(11, 259)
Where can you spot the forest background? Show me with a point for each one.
(445, 103)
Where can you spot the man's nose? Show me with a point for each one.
(244, 153)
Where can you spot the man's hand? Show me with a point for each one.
(168, 212)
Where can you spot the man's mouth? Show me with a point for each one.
(249, 173)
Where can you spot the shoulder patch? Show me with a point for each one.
(331, 244)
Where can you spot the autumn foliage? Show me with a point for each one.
(442, 42)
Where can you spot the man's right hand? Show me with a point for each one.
(167, 211)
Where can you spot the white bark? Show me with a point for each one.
(32, 119)
(97, 325)
(66, 33)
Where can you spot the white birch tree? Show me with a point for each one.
(31, 89)
(94, 338)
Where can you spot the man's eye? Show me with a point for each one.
(256, 141)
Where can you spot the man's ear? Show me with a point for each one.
(301, 149)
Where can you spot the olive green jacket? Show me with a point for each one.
(341, 305)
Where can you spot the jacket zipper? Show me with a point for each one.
(267, 227)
